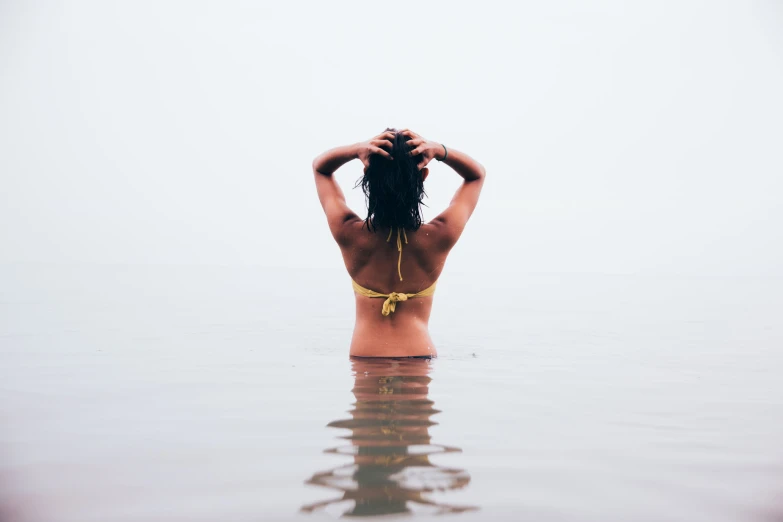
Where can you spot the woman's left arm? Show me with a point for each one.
(329, 193)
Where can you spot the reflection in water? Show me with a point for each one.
(390, 443)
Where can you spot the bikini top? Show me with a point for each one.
(394, 297)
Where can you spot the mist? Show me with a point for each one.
(617, 138)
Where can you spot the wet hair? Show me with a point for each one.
(394, 189)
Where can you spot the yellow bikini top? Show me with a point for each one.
(394, 297)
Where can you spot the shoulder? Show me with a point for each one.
(437, 235)
(353, 232)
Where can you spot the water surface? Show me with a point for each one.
(131, 393)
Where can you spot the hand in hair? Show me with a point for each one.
(376, 145)
(429, 150)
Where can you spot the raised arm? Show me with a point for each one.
(338, 214)
(452, 220)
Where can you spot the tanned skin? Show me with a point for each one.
(372, 261)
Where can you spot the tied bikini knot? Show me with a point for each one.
(390, 305)
(396, 296)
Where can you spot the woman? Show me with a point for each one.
(393, 258)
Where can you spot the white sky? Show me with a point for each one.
(618, 136)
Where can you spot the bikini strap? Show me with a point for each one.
(399, 248)
(390, 305)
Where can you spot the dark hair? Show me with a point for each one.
(394, 189)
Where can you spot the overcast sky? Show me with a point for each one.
(619, 137)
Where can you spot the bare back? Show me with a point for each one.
(371, 261)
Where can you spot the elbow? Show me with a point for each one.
(481, 173)
(317, 166)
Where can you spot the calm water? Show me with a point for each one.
(206, 393)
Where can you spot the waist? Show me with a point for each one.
(369, 340)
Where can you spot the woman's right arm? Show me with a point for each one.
(452, 221)
(329, 193)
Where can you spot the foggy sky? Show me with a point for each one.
(618, 137)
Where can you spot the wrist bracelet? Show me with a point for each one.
(445, 153)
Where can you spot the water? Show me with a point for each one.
(132, 393)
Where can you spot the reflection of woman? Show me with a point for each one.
(390, 444)
(392, 311)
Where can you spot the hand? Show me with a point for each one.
(375, 146)
(428, 149)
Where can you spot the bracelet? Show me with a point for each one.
(445, 153)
